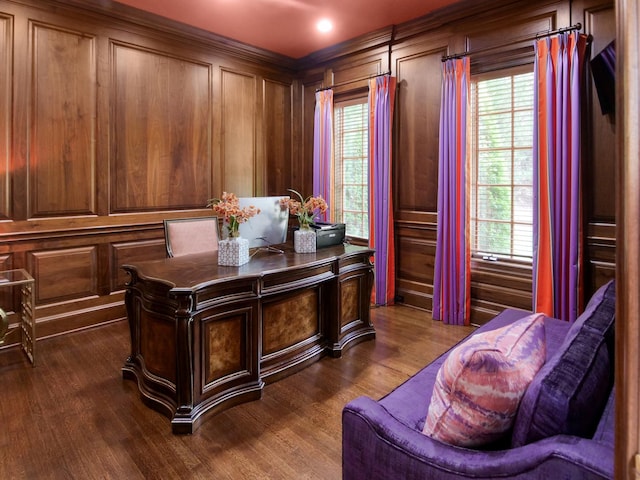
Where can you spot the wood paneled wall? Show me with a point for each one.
(111, 121)
(497, 31)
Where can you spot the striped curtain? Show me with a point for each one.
(452, 276)
(557, 250)
(382, 91)
(323, 150)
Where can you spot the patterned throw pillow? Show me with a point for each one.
(480, 384)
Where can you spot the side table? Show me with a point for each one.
(27, 311)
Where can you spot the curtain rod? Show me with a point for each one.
(353, 81)
(546, 33)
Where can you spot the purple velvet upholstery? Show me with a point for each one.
(571, 390)
(383, 439)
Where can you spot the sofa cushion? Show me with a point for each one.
(570, 391)
(481, 382)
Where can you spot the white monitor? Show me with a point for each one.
(269, 227)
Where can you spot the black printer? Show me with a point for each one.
(328, 234)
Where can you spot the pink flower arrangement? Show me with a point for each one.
(305, 208)
(228, 207)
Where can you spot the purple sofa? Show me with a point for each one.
(564, 427)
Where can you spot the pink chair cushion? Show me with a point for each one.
(192, 236)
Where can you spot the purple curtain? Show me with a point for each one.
(452, 277)
(381, 232)
(557, 254)
(323, 150)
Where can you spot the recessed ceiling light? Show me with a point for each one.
(324, 25)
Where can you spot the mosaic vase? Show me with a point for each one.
(233, 251)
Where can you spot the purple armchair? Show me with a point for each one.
(564, 427)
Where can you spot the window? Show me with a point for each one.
(502, 170)
(351, 153)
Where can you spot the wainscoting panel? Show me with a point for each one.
(6, 75)
(132, 252)
(494, 53)
(277, 121)
(239, 117)
(64, 274)
(598, 151)
(600, 255)
(161, 148)
(356, 73)
(416, 250)
(417, 120)
(62, 134)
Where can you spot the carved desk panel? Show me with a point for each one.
(206, 337)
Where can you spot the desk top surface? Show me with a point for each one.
(190, 272)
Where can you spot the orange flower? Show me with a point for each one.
(228, 207)
(304, 209)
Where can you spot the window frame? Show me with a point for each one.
(478, 258)
(356, 97)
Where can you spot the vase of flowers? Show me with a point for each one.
(233, 250)
(304, 239)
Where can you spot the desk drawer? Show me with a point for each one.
(297, 278)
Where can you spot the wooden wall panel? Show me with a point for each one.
(417, 129)
(355, 74)
(63, 122)
(6, 75)
(132, 252)
(495, 53)
(600, 255)
(598, 17)
(161, 156)
(416, 251)
(238, 149)
(277, 118)
(598, 154)
(64, 274)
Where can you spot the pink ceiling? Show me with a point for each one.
(288, 26)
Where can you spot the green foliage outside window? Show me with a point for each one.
(351, 174)
(502, 192)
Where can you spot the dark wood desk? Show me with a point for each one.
(205, 337)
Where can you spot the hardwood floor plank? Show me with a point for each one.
(73, 416)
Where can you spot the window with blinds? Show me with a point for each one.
(502, 170)
(351, 153)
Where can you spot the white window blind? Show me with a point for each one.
(351, 153)
(502, 172)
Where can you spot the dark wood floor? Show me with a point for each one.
(73, 416)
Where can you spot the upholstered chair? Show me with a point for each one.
(184, 236)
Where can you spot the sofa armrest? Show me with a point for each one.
(375, 445)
